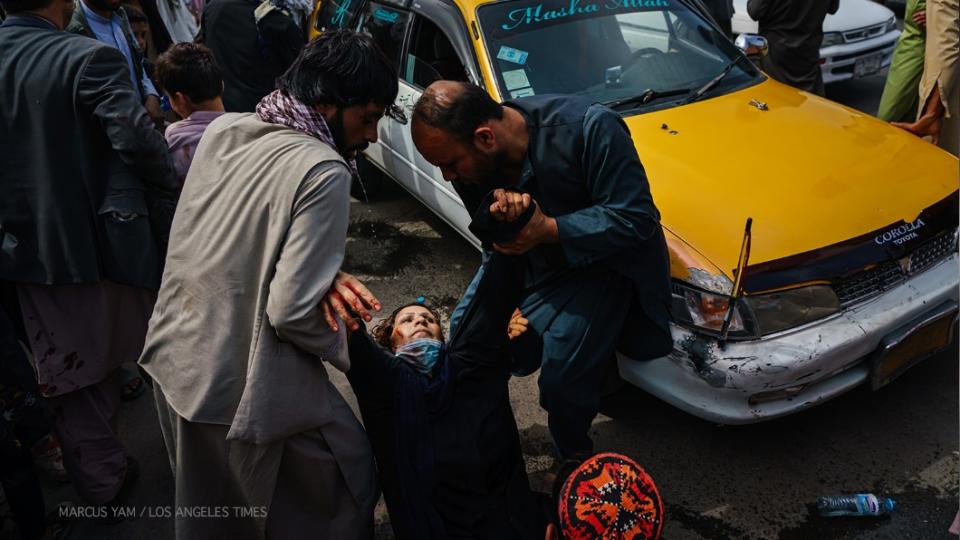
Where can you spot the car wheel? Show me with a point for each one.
(370, 181)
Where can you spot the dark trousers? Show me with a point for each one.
(578, 316)
(22, 488)
(22, 423)
(85, 422)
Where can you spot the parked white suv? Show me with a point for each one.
(858, 40)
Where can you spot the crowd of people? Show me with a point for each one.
(208, 251)
(211, 253)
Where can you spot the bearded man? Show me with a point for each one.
(238, 343)
(597, 277)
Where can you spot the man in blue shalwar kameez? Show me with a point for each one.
(597, 277)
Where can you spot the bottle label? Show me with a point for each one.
(868, 505)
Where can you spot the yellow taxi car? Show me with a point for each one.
(851, 276)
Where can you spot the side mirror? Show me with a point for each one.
(753, 45)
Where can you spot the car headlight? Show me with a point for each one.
(756, 315)
(784, 310)
(831, 38)
(704, 311)
(891, 25)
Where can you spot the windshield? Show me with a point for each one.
(608, 49)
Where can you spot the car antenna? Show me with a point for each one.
(738, 284)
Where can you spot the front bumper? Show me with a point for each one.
(809, 365)
(839, 61)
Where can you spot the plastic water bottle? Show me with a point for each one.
(861, 504)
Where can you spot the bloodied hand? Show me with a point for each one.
(348, 299)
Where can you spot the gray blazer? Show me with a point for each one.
(237, 336)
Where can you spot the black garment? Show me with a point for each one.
(71, 125)
(22, 423)
(250, 57)
(158, 29)
(722, 13)
(582, 168)
(480, 487)
(794, 30)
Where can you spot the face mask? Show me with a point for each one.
(421, 354)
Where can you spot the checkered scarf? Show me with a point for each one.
(279, 108)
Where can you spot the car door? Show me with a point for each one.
(430, 55)
(388, 25)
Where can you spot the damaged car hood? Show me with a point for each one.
(811, 173)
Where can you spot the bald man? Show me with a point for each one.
(597, 276)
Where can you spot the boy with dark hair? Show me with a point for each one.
(191, 80)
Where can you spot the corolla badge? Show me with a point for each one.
(900, 234)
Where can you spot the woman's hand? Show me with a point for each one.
(509, 205)
(518, 325)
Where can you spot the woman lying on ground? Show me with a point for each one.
(439, 419)
(438, 414)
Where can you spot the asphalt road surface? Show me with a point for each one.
(717, 482)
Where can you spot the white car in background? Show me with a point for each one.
(858, 39)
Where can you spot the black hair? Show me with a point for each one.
(458, 113)
(189, 68)
(12, 7)
(134, 15)
(384, 330)
(341, 68)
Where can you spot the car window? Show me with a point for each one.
(605, 50)
(431, 56)
(337, 14)
(387, 26)
(644, 30)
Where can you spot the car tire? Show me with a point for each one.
(370, 181)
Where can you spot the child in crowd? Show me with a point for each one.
(140, 27)
(191, 80)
